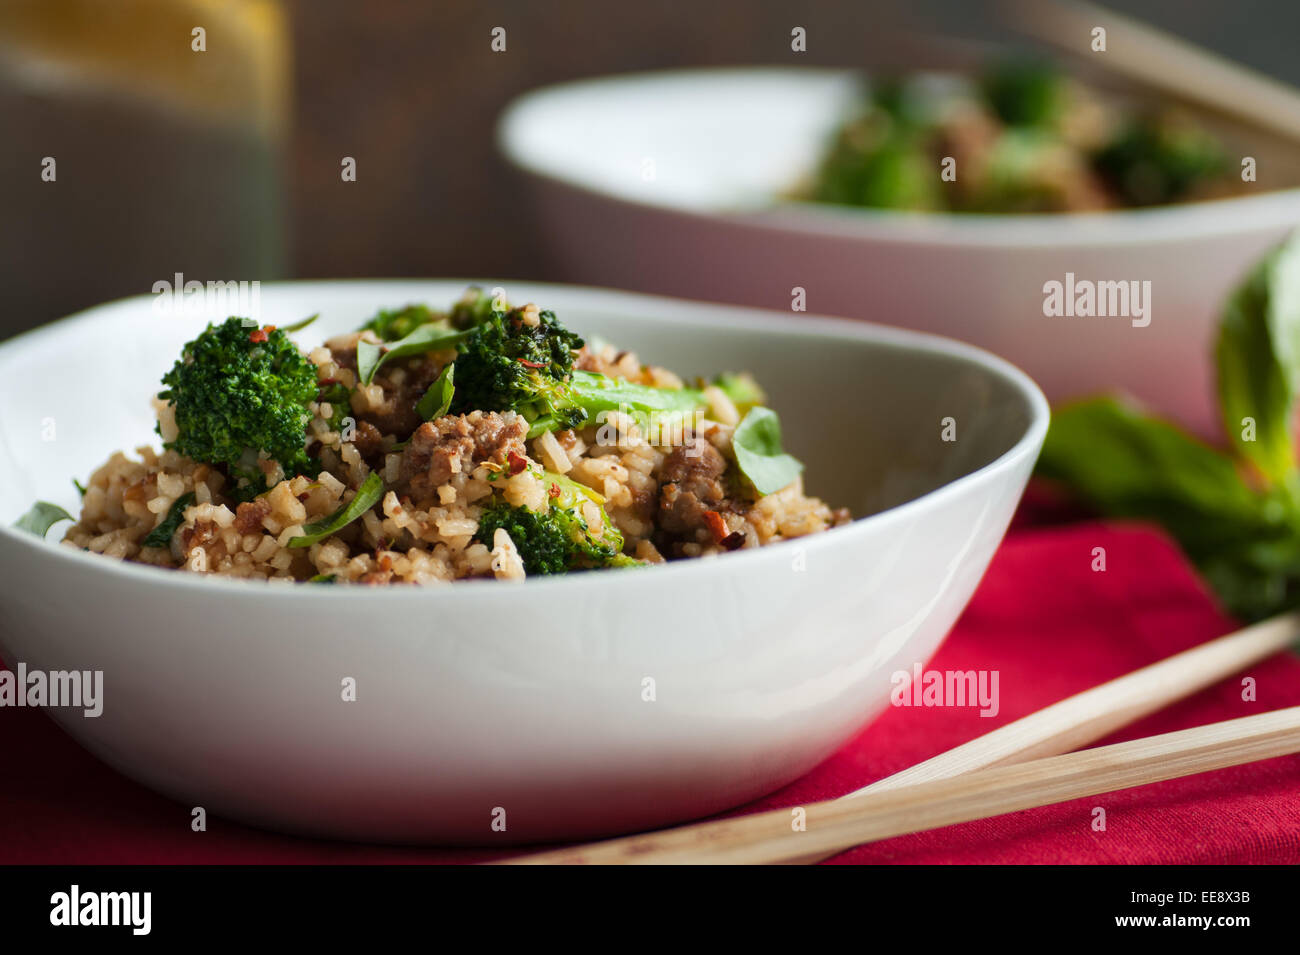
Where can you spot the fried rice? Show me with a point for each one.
(669, 495)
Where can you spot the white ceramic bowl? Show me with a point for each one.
(668, 182)
(227, 694)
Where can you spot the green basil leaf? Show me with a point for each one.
(1129, 465)
(596, 393)
(757, 443)
(1258, 359)
(426, 338)
(1255, 578)
(368, 355)
(371, 490)
(392, 324)
(299, 326)
(41, 518)
(437, 399)
(161, 536)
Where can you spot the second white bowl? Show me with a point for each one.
(670, 182)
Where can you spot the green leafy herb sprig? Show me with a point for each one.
(1235, 512)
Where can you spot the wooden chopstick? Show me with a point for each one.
(1088, 716)
(1162, 61)
(837, 824)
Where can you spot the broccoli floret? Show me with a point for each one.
(879, 162)
(510, 364)
(391, 325)
(475, 307)
(558, 539)
(889, 93)
(1158, 159)
(516, 361)
(237, 390)
(1020, 174)
(541, 542)
(910, 106)
(1024, 92)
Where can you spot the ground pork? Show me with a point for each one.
(691, 488)
(455, 444)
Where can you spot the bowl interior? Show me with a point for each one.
(738, 139)
(864, 407)
(702, 140)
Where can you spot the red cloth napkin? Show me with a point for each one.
(1043, 618)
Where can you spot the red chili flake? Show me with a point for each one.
(717, 526)
(517, 462)
(327, 381)
(531, 364)
(733, 540)
(257, 335)
(554, 490)
(303, 496)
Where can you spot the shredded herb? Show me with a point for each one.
(371, 490)
(161, 536)
(299, 326)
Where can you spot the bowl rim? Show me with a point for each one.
(681, 312)
(1123, 228)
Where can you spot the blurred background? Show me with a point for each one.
(225, 163)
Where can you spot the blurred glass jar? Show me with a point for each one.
(130, 154)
